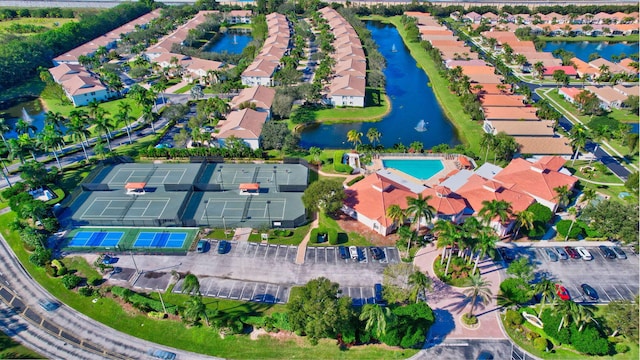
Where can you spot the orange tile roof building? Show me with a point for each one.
(243, 124)
(264, 66)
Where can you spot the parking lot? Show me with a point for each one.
(613, 279)
(265, 272)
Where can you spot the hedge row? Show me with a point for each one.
(355, 180)
(332, 235)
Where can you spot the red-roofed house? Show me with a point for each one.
(569, 93)
(569, 70)
(245, 124)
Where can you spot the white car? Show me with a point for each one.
(353, 251)
(584, 253)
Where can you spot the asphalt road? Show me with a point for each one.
(62, 333)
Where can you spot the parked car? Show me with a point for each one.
(562, 254)
(223, 247)
(344, 252)
(607, 252)
(377, 253)
(572, 252)
(353, 252)
(116, 270)
(619, 252)
(553, 256)
(506, 254)
(589, 291)
(107, 260)
(202, 246)
(584, 253)
(379, 299)
(562, 292)
(161, 354)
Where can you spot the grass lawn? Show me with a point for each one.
(294, 239)
(111, 107)
(10, 349)
(606, 177)
(469, 131)
(369, 113)
(185, 89)
(49, 23)
(611, 39)
(352, 238)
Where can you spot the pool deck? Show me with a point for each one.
(449, 166)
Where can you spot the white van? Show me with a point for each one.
(353, 251)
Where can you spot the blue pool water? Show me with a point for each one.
(419, 169)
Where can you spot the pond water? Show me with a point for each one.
(33, 108)
(411, 98)
(583, 49)
(233, 42)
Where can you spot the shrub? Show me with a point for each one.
(281, 321)
(621, 348)
(85, 291)
(563, 228)
(156, 315)
(94, 281)
(540, 344)
(469, 320)
(513, 317)
(551, 324)
(355, 180)
(338, 166)
(70, 281)
(516, 290)
(333, 236)
(123, 293)
(532, 335)
(590, 341)
(313, 237)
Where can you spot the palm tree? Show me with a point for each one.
(478, 289)
(354, 137)
(419, 283)
(583, 315)
(50, 138)
(471, 227)
(579, 136)
(486, 241)
(78, 128)
(588, 194)
(5, 127)
(418, 208)
(524, 219)
(23, 127)
(495, 208)
(373, 135)
(396, 214)
(563, 195)
(376, 318)
(55, 118)
(539, 69)
(26, 143)
(159, 87)
(546, 289)
(149, 117)
(568, 310)
(191, 285)
(448, 235)
(194, 309)
(102, 125)
(489, 141)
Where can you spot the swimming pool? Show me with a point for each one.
(422, 169)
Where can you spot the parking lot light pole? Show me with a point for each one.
(224, 223)
(269, 212)
(206, 211)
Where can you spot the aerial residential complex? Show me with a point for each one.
(267, 62)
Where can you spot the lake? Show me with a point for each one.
(411, 98)
(33, 108)
(233, 42)
(583, 49)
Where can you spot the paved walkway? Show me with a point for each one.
(449, 303)
(302, 248)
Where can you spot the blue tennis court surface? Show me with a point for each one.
(160, 239)
(96, 238)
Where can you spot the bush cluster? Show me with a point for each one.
(338, 166)
(141, 301)
(588, 341)
(355, 180)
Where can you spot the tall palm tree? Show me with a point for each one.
(102, 124)
(579, 136)
(448, 235)
(567, 309)
(488, 140)
(149, 117)
(5, 127)
(470, 228)
(78, 129)
(419, 283)
(50, 138)
(418, 208)
(354, 137)
(582, 316)
(159, 87)
(563, 195)
(524, 219)
(396, 214)
(376, 317)
(55, 118)
(191, 285)
(23, 127)
(546, 289)
(479, 288)
(486, 241)
(373, 135)
(26, 143)
(124, 108)
(195, 309)
(495, 208)
(588, 194)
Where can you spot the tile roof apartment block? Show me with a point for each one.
(259, 96)
(263, 68)
(347, 86)
(245, 124)
(80, 85)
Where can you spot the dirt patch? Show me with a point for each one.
(280, 335)
(349, 224)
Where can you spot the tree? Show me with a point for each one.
(479, 289)
(489, 141)
(50, 138)
(354, 137)
(326, 196)
(376, 318)
(418, 208)
(521, 269)
(103, 125)
(524, 219)
(396, 214)
(78, 120)
(485, 241)
(419, 283)
(588, 102)
(622, 318)
(273, 132)
(196, 92)
(505, 146)
(495, 208)
(318, 312)
(613, 219)
(514, 292)
(538, 67)
(582, 316)
(633, 104)
(191, 285)
(546, 289)
(194, 309)
(448, 235)
(633, 181)
(397, 289)
(374, 136)
(281, 106)
(5, 128)
(579, 136)
(560, 77)
(563, 195)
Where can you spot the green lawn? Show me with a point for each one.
(611, 39)
(112, 107)
(368, 113)
(469, 131)
(46, 22)
(10, 349)
(580, 169)
(353, 238)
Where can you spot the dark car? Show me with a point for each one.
(202, 246)
(485, 355)
(506, 254)
(619, 252)
(553, 256)
(607, 252)
(572, 252)
(161, 354)
(562, 254)
(107, 260)
(377, 289)
(589, 291)
(344, 252)
(377, 253)
(223, 247)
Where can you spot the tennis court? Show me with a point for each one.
(152, 177)
(234, 208)
(154, 239)
(96, 238)
(229, 176)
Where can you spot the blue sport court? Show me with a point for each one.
(160, 240)
(96, 238)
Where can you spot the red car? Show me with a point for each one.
(573, 253)
(562, 292)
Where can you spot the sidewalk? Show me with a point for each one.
(449, 303)
(302, 248)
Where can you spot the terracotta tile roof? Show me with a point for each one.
(65, 71)
(260, 95)
(440, 32)
(261, 68)
(450, 64)
(351, 66)
(537, 179)
(82, 84)
(347, 86)
(583, 68)
(628, 90)
(501, 100)
(509, 113)
(451, 53)
(544, 145)
(452, 43)
(613, 67)
(569, 70)
(607, 93)
(570, 92)
(477, 189)
(243, 124)
(240, 13)
(445, 201)
(491, 89)
(523, 128)
(626, 63)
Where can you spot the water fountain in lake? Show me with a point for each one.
(235, 39)
(393, 48)
(421, 127)
(26, 117)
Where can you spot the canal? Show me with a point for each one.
(583, 49)
(411, 97)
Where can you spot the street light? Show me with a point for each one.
(206, 211)
(269, 212)
(224, 223)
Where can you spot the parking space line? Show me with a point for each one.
(209, 287)
(233, 285)
(621, 297)
(277, 249)
(253, 293)
(605, 292)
